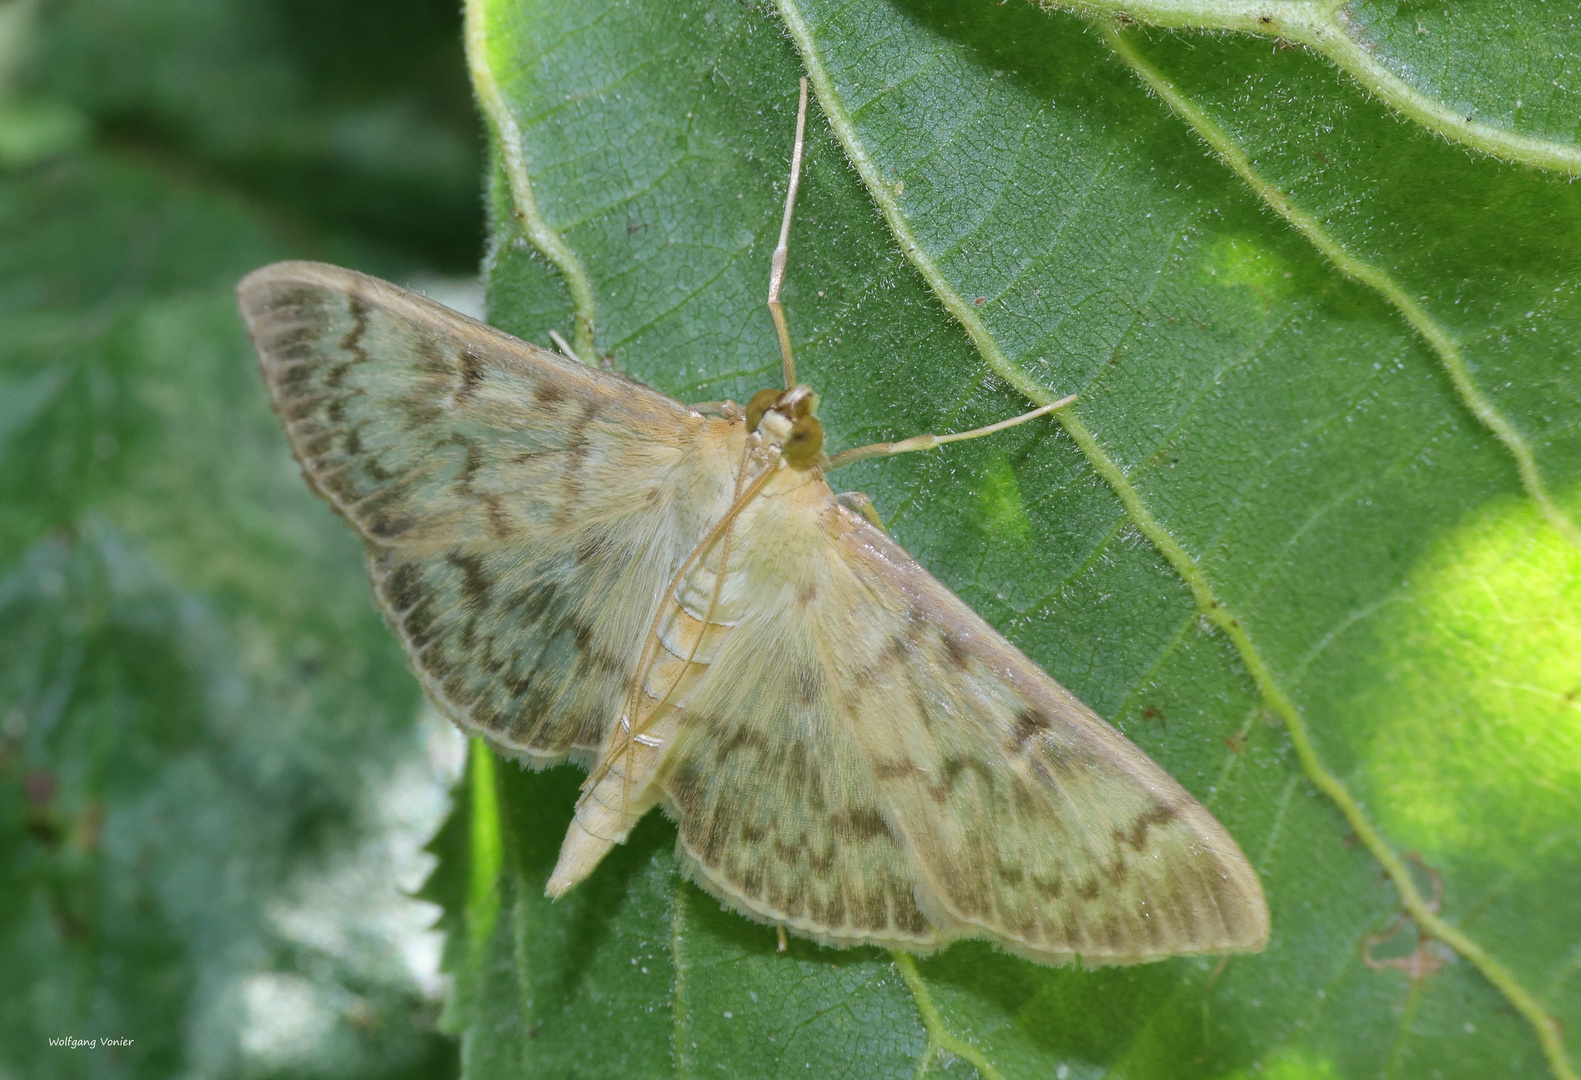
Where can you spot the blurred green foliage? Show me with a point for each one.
(215, 773)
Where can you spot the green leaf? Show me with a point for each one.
(1308, 538)
(215, 770)
(353, 117)
(1500, 77)
(188, 662)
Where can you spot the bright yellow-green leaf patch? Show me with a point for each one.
(1478, 700)
(1004, 517)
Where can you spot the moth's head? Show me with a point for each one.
(784, 418)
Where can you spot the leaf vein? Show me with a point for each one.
(1439, 339)
(1262, 675)
(513, 159)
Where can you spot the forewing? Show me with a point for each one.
(864, 726)
(522, 512)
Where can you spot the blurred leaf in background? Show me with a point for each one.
(1309, 537)
(216, 775)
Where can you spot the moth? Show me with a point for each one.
(582, 568)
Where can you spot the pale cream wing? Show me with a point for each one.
(863, 727)
(522, 512)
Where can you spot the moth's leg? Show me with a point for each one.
(561, 344)
(607, 361)
(782, 250)
(726, 408)
(780, 929)
(650, 645)
(928, 442)
(861, 504)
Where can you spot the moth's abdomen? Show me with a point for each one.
(691, 627)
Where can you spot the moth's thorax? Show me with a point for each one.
(775, 428)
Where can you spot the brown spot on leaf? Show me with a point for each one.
(1420, 963)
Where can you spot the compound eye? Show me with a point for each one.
(805, 441)
(761, 402)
